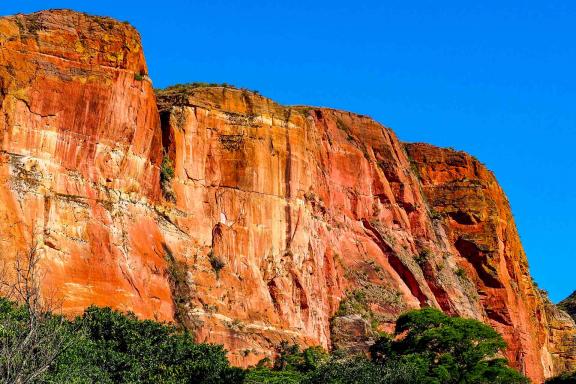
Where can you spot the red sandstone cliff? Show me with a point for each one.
(279, 223)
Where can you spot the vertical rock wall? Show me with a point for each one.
(268, 223)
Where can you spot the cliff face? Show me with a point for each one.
(80, 145)
(270, 223)
(478, 224)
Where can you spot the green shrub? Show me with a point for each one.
(265, 375)
(216, 262)
(423, 257)
(109, 347)
(565, 378)
(166, 176)
(450, 349)
(166, 169)
(118, 348)
(461, 273)
(358, 369)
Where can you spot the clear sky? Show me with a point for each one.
(493, 78)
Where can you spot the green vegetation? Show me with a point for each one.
(428, 347)
(565, 378)
(166, 176)
(446, 349)
(461, 273)
(139, 76)
(105, 346)
(216, 262)
(199, 84)
(292, 366)
(423, 257)
(117, 348)
(180, 289)
(166, 169)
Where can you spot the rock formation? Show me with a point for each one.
(569, 304)
(241, 219)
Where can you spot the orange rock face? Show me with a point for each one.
(478, 223)
(79, 169)
(270, 223)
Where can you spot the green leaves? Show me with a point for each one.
(456, 350)
(565, 378)
(118, 348)
(108, 347)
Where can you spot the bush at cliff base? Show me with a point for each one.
(565, 378)
(104, 346)
(428, 347)
(117, 348)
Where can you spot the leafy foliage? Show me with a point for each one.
(30, 341)
(166, 169)
(451, 349)
(105, 346)
(216, 262)
(265, 375)
(565, 378)
(358, 369)
(166, 176)
(428, 347)
(290, 367)
(290, 358)
(118, 348)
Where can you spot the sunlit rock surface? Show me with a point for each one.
(270, 223)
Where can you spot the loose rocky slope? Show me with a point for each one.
(270, 223)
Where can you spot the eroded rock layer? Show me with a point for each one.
(268, 223)
(81, 144)
(478, 224)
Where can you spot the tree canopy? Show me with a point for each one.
(105, 346)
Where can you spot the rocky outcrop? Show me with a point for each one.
(244, 220)
(479, 226)
(569, 304)
(79, 167)
(561, 337)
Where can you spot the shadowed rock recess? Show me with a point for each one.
(243, 220)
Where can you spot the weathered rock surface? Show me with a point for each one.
(569, 304)
(278, 223)
(80, 146)
(478, 223)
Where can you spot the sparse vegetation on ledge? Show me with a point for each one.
(216, 263)
(183, 87)
(166, 176)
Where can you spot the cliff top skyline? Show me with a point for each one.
(494, 80)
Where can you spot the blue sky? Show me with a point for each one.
(496, 79)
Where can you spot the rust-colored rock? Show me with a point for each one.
(80, 148)
(275, 219)
(479, 227)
